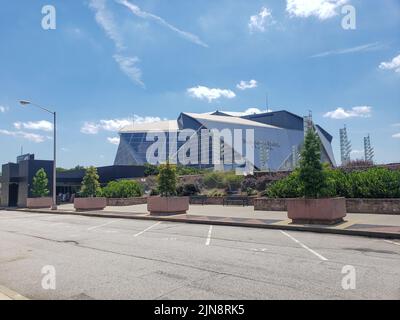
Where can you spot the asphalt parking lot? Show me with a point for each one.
(105, 258)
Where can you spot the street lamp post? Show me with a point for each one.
(24, 103)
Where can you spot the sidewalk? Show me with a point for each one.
(8, 294)
(370, 225)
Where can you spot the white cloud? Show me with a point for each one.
(37, 138)
(3, 109)
(391, 65)
(396, 136)
(396, 125)
(362, 48)
(255, 111)
(260, 21)
(128, 66)
(243, 85)
(114, 125)
(38, 125)
(146, 15)
(114, 140)
(106, 20)
(322, 9)
(90, 128)
(356, 112)
(210, 94)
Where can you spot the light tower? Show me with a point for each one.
(345, 146)
(368, 150)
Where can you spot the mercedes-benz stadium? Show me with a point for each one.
(269, 141)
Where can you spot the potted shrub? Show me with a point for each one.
(315, 207)
(167, 202)
(40, 192)
(90, 194)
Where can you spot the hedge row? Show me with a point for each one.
(372, 183)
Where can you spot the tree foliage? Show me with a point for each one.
(40, 184)
(90, 184)
(167, 179)
(312, 174)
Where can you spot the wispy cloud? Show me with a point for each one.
(115, 125)
(31, 125)
(391, 65)
(356, 112)
(105, 19)
(210, 94)
(322, 9)
(261, 20)
(128, 65)
(363, 48)
(37, 138)
(146, 15)
(244, 85)
(396, 136)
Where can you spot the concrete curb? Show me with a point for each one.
(314, 229)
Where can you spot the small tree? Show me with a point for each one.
(167, 180)
(90, 183)
(40, 184)
(312, 175)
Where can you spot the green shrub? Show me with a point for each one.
(214, 180)
(372, 183)
(123, 189)
(167, 180)
(150, 170)
(232, 181)
(216, 193)
(40, 184)
(189, 189)
(90, 185)
(289, 187)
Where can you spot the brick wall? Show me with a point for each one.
(126, 202)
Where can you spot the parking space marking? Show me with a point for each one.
(305, 247)
(208, 241)
(392, 242)
(102, 225)
(147, 229)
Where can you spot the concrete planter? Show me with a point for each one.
(317, 211)
(89, 204)
(167, 205)
(39, 203)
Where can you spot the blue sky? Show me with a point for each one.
(108, 61)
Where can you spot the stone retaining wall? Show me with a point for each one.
(216, 201)
(377, 206)
(114, 202)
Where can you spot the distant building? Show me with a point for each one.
(16, 179)
(278, 138)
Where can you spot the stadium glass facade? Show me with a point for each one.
(270, 141)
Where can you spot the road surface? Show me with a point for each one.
(103, 258)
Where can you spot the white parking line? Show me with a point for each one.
(102, 225)
(147, 229)
(305, 247)
(392, 242)
(208, 241)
